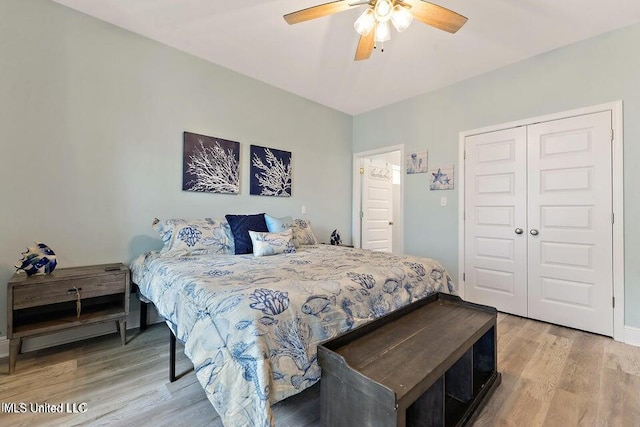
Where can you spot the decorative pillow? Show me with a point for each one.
(198, 236)
(240, 226)
(302, 234)
(272, 243)
(276, 225)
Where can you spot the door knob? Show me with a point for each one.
(534, 232)
(519, 230)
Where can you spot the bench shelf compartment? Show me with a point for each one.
(432, 363)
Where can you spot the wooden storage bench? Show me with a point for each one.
(432, 363)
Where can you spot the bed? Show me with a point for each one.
(251, 325)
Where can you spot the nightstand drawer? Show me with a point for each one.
(37, 294)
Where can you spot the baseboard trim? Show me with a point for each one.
(79, 333)
(632, 335)
(4, 346)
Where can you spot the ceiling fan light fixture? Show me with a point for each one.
(373, 25)
(383, 10)
(383, 32)
(365, 23)
(401, 18)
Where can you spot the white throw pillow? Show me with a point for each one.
(272, 243)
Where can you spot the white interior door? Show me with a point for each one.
(570, 272)
(377, 206)
(495, 220)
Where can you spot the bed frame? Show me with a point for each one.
(144, 304)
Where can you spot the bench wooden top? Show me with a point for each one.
(429, 339)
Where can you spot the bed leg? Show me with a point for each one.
(172, 356)
(143, 315)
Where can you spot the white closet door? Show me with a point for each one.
(495, 220)
(570, 228)
(377, 206)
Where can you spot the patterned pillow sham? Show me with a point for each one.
(272, 243)
(198, 236)
(302, 234)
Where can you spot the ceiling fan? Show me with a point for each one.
(374, 24)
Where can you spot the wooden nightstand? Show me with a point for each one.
(67, 298)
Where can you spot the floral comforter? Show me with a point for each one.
(251, 325)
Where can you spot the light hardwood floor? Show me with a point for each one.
(551, 376)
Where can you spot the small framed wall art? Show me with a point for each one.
(416, 163)
(441, 178)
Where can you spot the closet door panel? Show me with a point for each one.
(569, 219)
(495, 206)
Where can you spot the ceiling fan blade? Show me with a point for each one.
(317, 11)
(365, 46)
(436, 16)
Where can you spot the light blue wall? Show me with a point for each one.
(91, 123)
(595, 71)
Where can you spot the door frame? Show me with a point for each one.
(357, 191)
(616, 109)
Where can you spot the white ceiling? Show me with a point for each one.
(314, 59)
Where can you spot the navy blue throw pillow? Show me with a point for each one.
(240, 226)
